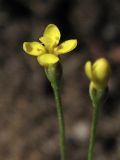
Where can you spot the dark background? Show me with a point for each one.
(28, 122)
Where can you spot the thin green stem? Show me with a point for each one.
(93, 132)
(60, 115)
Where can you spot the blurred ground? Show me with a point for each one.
(28, 124)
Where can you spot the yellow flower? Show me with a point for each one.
(47, 50)
(98, 72)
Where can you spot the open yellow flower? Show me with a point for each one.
(47, 50)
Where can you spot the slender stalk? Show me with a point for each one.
(93, 131)
(60, 115)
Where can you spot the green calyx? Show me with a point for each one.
(97, 95)
(54, 73)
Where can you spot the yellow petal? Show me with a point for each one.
(33, 48)
(51, 32)
(47, 41)
(101, 70)
(47, 59)
(66, 46)
(88, 70)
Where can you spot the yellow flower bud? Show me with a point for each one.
(98, 72)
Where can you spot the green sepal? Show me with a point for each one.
(97, 95)
(54, 74)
